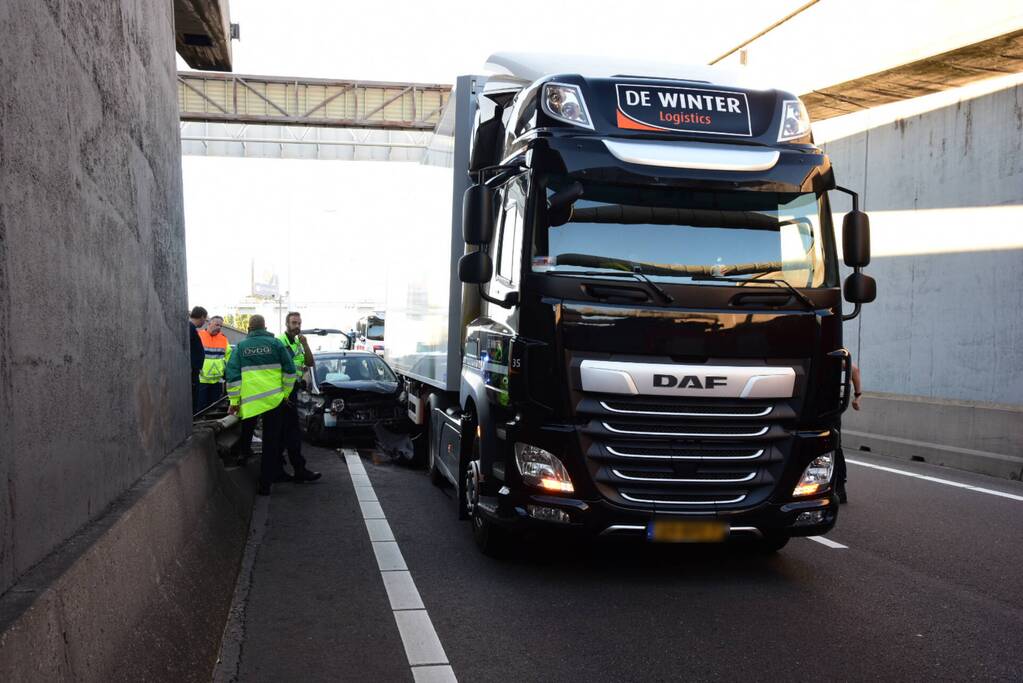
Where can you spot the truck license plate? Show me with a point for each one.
(686, 531)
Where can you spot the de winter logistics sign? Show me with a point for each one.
(691, 110)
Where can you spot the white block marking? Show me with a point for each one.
(402, 591)
(365, 494)
(433, 674)
(389, 556)
(372, 511)
(936, 480)
(422, 646)
(828, 542)
(379, 530)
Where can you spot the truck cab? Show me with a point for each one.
(653, 309)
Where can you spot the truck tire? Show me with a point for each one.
(492, 540)
(770, 543)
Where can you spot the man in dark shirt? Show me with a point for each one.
(196, 319)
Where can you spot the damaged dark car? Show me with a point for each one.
(349, 393)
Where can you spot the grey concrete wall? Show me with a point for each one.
(947, 322)
(94, 387)
(143, 592)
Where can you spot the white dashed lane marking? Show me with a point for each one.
(423, 648)
(936, 480)
(828, 542)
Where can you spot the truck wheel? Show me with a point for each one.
(770, 543)
(491, 539)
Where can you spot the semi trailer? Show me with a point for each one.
(622, 314)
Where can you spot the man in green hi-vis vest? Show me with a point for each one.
(294, 341)
(260, 376)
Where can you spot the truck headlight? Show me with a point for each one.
(542, 469)
(816, 476)
(565, 102)
(795, 121)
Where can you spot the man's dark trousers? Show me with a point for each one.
(209, 394)
(273, 433)
(292, 439)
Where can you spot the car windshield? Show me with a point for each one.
(668, 234)
(375, 332)
(340, 369)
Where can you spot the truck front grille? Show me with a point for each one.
(684, 456)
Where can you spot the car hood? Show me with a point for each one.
(359, 387)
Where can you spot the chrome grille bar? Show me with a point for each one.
(762, 413)
(669, 480)
(759, 432)
(683, 502)
(755, 455)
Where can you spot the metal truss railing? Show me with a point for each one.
(232, 98)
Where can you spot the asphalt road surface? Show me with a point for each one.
(369, 575)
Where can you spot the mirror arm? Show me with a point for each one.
(855, 197)
(510, 300)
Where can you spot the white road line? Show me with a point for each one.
(389, 557)
(365, 494)
(379, 530)
(827, 541)
(402, 591)
(422, 646)
(433, 674)
(946, 482)
(372, 511)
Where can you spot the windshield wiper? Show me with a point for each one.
(784, 284)
(635, 274)
(637, 270)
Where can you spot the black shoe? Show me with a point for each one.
(306, 476)
(264, 490)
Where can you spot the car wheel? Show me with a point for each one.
(491, 539)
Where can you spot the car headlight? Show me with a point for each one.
(795, 121)
(565, 103)
(816, 477)
(542, 469)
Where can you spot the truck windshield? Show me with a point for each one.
(668, 234)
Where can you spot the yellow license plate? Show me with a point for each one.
(678, 531)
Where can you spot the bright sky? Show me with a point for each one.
(347, 220)
(321, 224)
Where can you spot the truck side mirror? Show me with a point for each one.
(475, 268)
(478, 215)
(856, 239)
(860, 289)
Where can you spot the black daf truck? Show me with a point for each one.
(639, 329)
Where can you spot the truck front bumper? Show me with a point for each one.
(527, 510)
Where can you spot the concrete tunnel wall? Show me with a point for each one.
(944, 191)
(943, 344)
(94, 387)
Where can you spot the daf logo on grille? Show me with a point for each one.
(689, 382)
